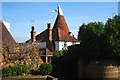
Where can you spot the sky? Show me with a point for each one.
(59, 0)
(19, 14)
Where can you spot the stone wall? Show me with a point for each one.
(23, 54)
(99, 69)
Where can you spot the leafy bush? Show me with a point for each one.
(45, 68)
(15, 70)
(6, 72)
(22, 69)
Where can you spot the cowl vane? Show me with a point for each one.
(59, 10)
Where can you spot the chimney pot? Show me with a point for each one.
(33, 28)
(49, 25)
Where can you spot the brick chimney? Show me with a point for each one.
(49, 32)
(33, 34)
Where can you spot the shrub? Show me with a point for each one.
(25, 68)
(15, 70)
(22, 69)
(6, 72)
(45, 68)
(32, 71)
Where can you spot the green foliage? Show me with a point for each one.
(101, 41)
(23, 69)
(45, 68)
(112, 29)
(15, 70)
(58, 53)
(98, 41)
(64, 63)
(6, 72)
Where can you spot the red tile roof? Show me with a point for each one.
(57, 35)
(61, 23)
(64, 36)
(48, 52)
(6, 36)
(60, 32)
(43, 36)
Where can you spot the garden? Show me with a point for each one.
(98, 41)
(26, 71)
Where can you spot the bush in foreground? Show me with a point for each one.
(6, 72)
(45, 68)
(15, 70)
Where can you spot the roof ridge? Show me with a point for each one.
(42, 32)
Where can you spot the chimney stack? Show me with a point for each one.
(49, 25)
(33, 34)
(49, 32)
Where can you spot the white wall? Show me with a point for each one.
(59, 45)
(7, 25)
(69, 43)
(76, 42)
(42, 45)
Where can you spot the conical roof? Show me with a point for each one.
(60, 21)
(60, 31)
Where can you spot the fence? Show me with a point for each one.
(99, 69)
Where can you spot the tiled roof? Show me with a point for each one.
(6, 36)
(48, 52)
(64, 36)
(57, 35)
(43, 36)
(61, 23)
(60, 32)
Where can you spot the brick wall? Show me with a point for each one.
(99, 69)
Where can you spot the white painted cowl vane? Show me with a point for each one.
(59, 10)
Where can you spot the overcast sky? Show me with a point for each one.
(19, 15)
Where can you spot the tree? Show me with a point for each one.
(112, 28)
(101, 41)
(94, 41)
(98, 41)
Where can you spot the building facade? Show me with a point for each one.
(55, 38)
